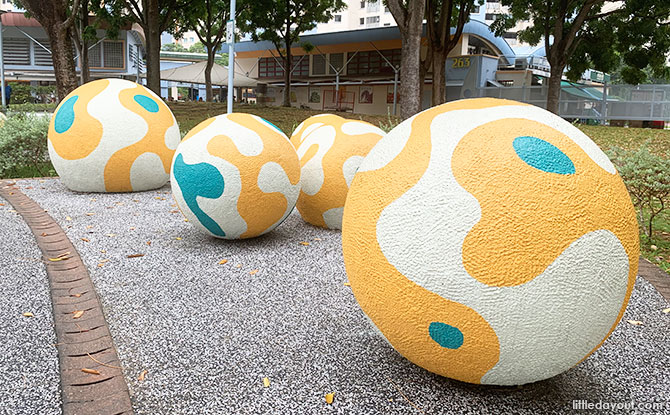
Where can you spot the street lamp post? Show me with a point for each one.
(230, 35)
(2, 64)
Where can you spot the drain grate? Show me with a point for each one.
(92, 380)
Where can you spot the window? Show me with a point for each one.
(113, 54)
(270, 68)
(41, 56)
(362, 4)
(362, 21)
(95, 56)
(475, 10)
(371, 63)
(336, 61)
(490, 16)
(300, 66)
(318, 65)
(373, 6)
(372, 21)
(338, 18)
(509, 35)
(16, 51)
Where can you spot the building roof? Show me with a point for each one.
(184, 56)
(19, 19)
(473, 27)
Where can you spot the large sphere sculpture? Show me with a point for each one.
(235, 176)
(490, 241)
(330, 151)
(112, 135)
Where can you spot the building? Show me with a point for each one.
(27, 52)
(357, 70)
(358, 15)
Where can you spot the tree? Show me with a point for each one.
(154, 17)
(592, 33)
(57, 17)
(409, 14)
(441, 15)
(84, 33)
(173, 47)
(208, 20)
(281, 22)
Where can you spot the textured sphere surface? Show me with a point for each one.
(112, 135)
(331, 149)
(490, 241)
(235, 176)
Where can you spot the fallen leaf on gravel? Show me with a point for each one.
(132, 228)
(149, 243)
(666, 311)
(135, 200)
(68, 218)
(174, 205)
(12, 211)
(159, 198)
(85, 239)
(104, 260)
(317, 239)
(135, 255)
(304, 243)
(101, 264)
(185, 220)
(28, 314)
(223, 261)
(347, 284)
(330, 397)
(253, 272)
(178, 238)
(2, 204)
(78, 314)
(89, 226)
(174, 211)
(142, 375)
(90, 213)
(111, 235)
(90, 371)
(43, 234)
(61, 257)
(238, 266)
(635, 322)
(76, 295)
(93, 199)
(11, 193)
(104, 251)
(266, 382)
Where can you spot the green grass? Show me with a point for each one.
(189, 114)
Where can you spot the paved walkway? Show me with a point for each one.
(207, 334)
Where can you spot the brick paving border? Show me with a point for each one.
(84, 340)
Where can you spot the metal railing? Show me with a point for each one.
(596, 102)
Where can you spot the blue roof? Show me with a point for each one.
(474, 27)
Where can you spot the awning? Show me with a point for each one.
(195, 73)
(583, 91)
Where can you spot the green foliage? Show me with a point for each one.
(584, 34)
(173, 47)
(197, 47)
(390, 123)
(21, 93)
(647, 180)
(282, 21)
(23, 142)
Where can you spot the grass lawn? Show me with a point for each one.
(189, 114)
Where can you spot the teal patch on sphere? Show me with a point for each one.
(543, 155)
(445, 335)
(65, 115)
(146, 103)
(201, 179)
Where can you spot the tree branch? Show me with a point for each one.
(70, 20)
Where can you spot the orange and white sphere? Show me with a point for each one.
(490, 241)
(112, 135)
(330, 149)
(235, 176)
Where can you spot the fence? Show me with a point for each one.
(596, 102)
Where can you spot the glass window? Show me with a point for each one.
(337, 61)
(41, 56)
(318, 65)
(95, 56)
(338, 18)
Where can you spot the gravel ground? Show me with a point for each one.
(29, 377)
(207, 334)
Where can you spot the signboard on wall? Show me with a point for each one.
(366, 95)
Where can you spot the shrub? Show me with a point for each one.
(647, 178)
(23, 142)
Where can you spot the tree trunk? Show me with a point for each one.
(83, 54)
(65, 71)
(554, 91)
(208, 73)
(410, 79)
(287, 77)
(439, 78)
(152, 34)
